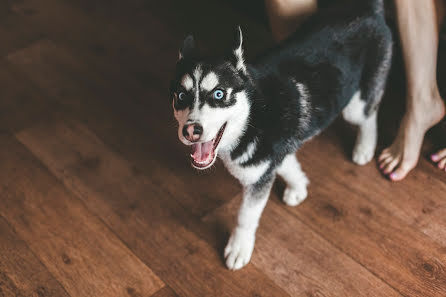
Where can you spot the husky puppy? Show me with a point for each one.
(255, 116)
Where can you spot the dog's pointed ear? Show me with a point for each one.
(187, 48)
(237, 51)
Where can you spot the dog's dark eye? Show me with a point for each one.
(219, 94)
(181, 96)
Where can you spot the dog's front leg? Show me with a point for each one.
(241, 243)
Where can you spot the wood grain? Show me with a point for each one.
(165, 292)
(97, 194)
(73, 94)
(146, 217)
(21, 103)
(298, 259)
(21, 273)
(75, 246)
(407, 200)
(372, 235)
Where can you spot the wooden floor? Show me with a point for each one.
(97, 197)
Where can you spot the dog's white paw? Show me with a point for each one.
(294, 196)
(239, 249)
(363, 154)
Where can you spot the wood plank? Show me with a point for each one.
(147, 217)
(298, 259)
(165, 292)
(94, 37)
(68, 82)
(5, 9)
(406, 200)
(21, 273)
(134, 68)
(14, 33)
(22, 103)
(141, 26)
(57, 63)
(84, 92)
(434, 140)
(75, 246)
(368, 232)
(433, 224)
(116, 65)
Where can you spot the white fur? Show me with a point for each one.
(238, 52)
(366, 139)
(228, 92)
(250, 150)
(236, 117)
(198, 72)
(212, 119)
(354, 111)
(305, 106)
(241, 243)
(239, 249)
(209, 82)
(240, 60)
(247, 175)
(187, 82)
(296, 180)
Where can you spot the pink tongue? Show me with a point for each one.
(200, 151)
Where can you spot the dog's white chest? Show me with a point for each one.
(247, 175)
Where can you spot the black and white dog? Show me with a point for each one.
(255, 117)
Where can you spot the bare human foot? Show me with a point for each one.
(440, 158)
(402, 156)
(418, 26)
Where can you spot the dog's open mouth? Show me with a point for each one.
(204, 154)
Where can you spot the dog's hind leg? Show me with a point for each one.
(296, 180)
(367, 136)
(376, 70)
(363, 107)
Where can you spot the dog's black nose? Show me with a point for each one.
(192, 132)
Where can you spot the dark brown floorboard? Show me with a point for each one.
(165, 292)
(146, 217)
(76, 247)
(298, 259)
(21, 272)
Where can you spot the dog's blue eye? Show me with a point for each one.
(218, 94)
(181, 96)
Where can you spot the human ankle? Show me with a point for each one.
(426, 113)
(423, 92)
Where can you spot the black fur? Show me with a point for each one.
(342, 49)
(333, 55)
(294, 91)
